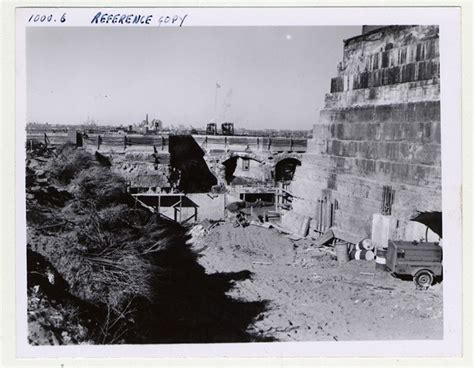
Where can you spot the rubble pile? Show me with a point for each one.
(82, 221)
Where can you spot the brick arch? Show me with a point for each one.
(285, 167)
(229, 162)
(286, 155)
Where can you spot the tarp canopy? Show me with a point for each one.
(433, 220)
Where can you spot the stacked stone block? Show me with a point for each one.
(380, 127)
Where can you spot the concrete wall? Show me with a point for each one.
(254, 170)
(212, 143)
(380, 127)
(211, 207)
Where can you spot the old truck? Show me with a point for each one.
(422, 260)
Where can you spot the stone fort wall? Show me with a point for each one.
(380, 127)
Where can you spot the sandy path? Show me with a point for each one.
(311, 297)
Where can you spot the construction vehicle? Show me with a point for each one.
(211, 129)
(226, 129)
(422, 260)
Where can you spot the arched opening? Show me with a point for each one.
(285, 169)
(243, 171)
(230, 166)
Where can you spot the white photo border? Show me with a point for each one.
(449, 21)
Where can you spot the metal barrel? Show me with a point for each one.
(366, 255)
(381, 259)
(365, 244)
(341, 253)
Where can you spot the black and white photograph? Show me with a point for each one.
(191, 184)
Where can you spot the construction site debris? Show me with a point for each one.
(235, 206)
(241, 220)
(307, 284)
(295, 223)
(338, 234)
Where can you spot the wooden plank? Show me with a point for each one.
(323, 239)
(346, 236)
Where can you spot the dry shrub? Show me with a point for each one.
(68, 163)
(107, 251)
(112, 265)
(100, 266)
(101, 186)
(100, 254)
(159, 236)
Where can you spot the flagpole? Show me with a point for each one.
(215, 103)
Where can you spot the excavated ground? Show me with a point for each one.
(311, 297)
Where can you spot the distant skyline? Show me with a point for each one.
(265, 77)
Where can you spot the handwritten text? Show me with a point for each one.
(106, 18)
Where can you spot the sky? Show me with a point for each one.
(269, 77)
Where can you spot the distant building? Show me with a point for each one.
(155, 125)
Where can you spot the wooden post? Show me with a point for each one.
(225, 205)
(180, 209)
(159, 205)
(124, 142)
(269, 143)
(331, 215)
(276, 201)
(320, 212)
(162, 143)
(291, 144)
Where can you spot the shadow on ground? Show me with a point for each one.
(191, 306)
(188, 306)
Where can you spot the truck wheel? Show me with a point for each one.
(423, 279)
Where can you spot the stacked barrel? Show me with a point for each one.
(364, 250)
